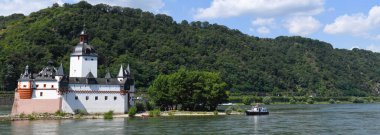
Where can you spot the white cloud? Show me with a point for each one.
(302, 25)
(373, 48)
(356, 24)
(263, 30)
(262, 25)
(259, 8)
(9, 7)
(263, 21)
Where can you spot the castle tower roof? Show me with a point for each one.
(83, 47)
(121, 72)
(108, 75)
(47, 73)
(60, 71)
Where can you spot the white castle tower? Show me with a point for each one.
(84, 59)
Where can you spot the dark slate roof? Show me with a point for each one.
(90, 75)
(84, 49)
(60, 71)
(102, 81)
(26, 75)
(47, 73)
(108, 75)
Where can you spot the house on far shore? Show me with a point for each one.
(51, 90)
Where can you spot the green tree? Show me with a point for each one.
(246, 100)
(193, 90)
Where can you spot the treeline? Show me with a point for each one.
(156, 44)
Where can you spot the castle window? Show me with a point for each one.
(76, 97)
(36, 85)
(24, 86)
(86, 97)
(44, 85)
(96, 97)
(114, 98)
(106, 97)
(41, 94)
(85, 58)
(92, 59)
(78, 57)
(52, 86)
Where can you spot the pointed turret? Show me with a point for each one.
(26, 74)
(108, 75)
(60, 71)
(121, 74)
(83, 35)
(128, 70)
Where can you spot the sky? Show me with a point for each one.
(343, 23)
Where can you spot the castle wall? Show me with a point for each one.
(28, 106)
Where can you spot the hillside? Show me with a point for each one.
(155, 44)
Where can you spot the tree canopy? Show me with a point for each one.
(155, 44)
(192, 90)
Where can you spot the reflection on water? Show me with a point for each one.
(40, 127)
(283, 119)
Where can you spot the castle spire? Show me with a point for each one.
(60, 71)
(83, 35)
(121, 72)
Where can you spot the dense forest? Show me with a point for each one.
(155, 44)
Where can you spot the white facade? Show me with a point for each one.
(45, 90)
(94, 99)
(80, 66)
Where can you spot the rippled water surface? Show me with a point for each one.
(283, 119)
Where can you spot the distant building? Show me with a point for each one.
(51, 90)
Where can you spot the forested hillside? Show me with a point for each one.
(156, 44)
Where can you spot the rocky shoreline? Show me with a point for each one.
(49, 116)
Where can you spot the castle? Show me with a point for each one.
(51, 90)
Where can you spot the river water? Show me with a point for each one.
(283, 119)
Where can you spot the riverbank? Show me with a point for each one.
(49, 116)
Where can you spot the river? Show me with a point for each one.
(283, 119)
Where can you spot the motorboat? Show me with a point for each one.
(257, 110)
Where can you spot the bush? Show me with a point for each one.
(228, 111)
(267, 100)
(139, 107)
(108, 115)
(292, 101)
(357, 100)
(80, 112)
(60, 113)
(216, 112)
(22, 115)
(246, 100)
(310, 101)
(149, 106)
(31, 117)
(155, 113)
(132, 111)
(332, 101)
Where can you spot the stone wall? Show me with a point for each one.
(28, 106)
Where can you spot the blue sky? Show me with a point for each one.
(343, 23)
